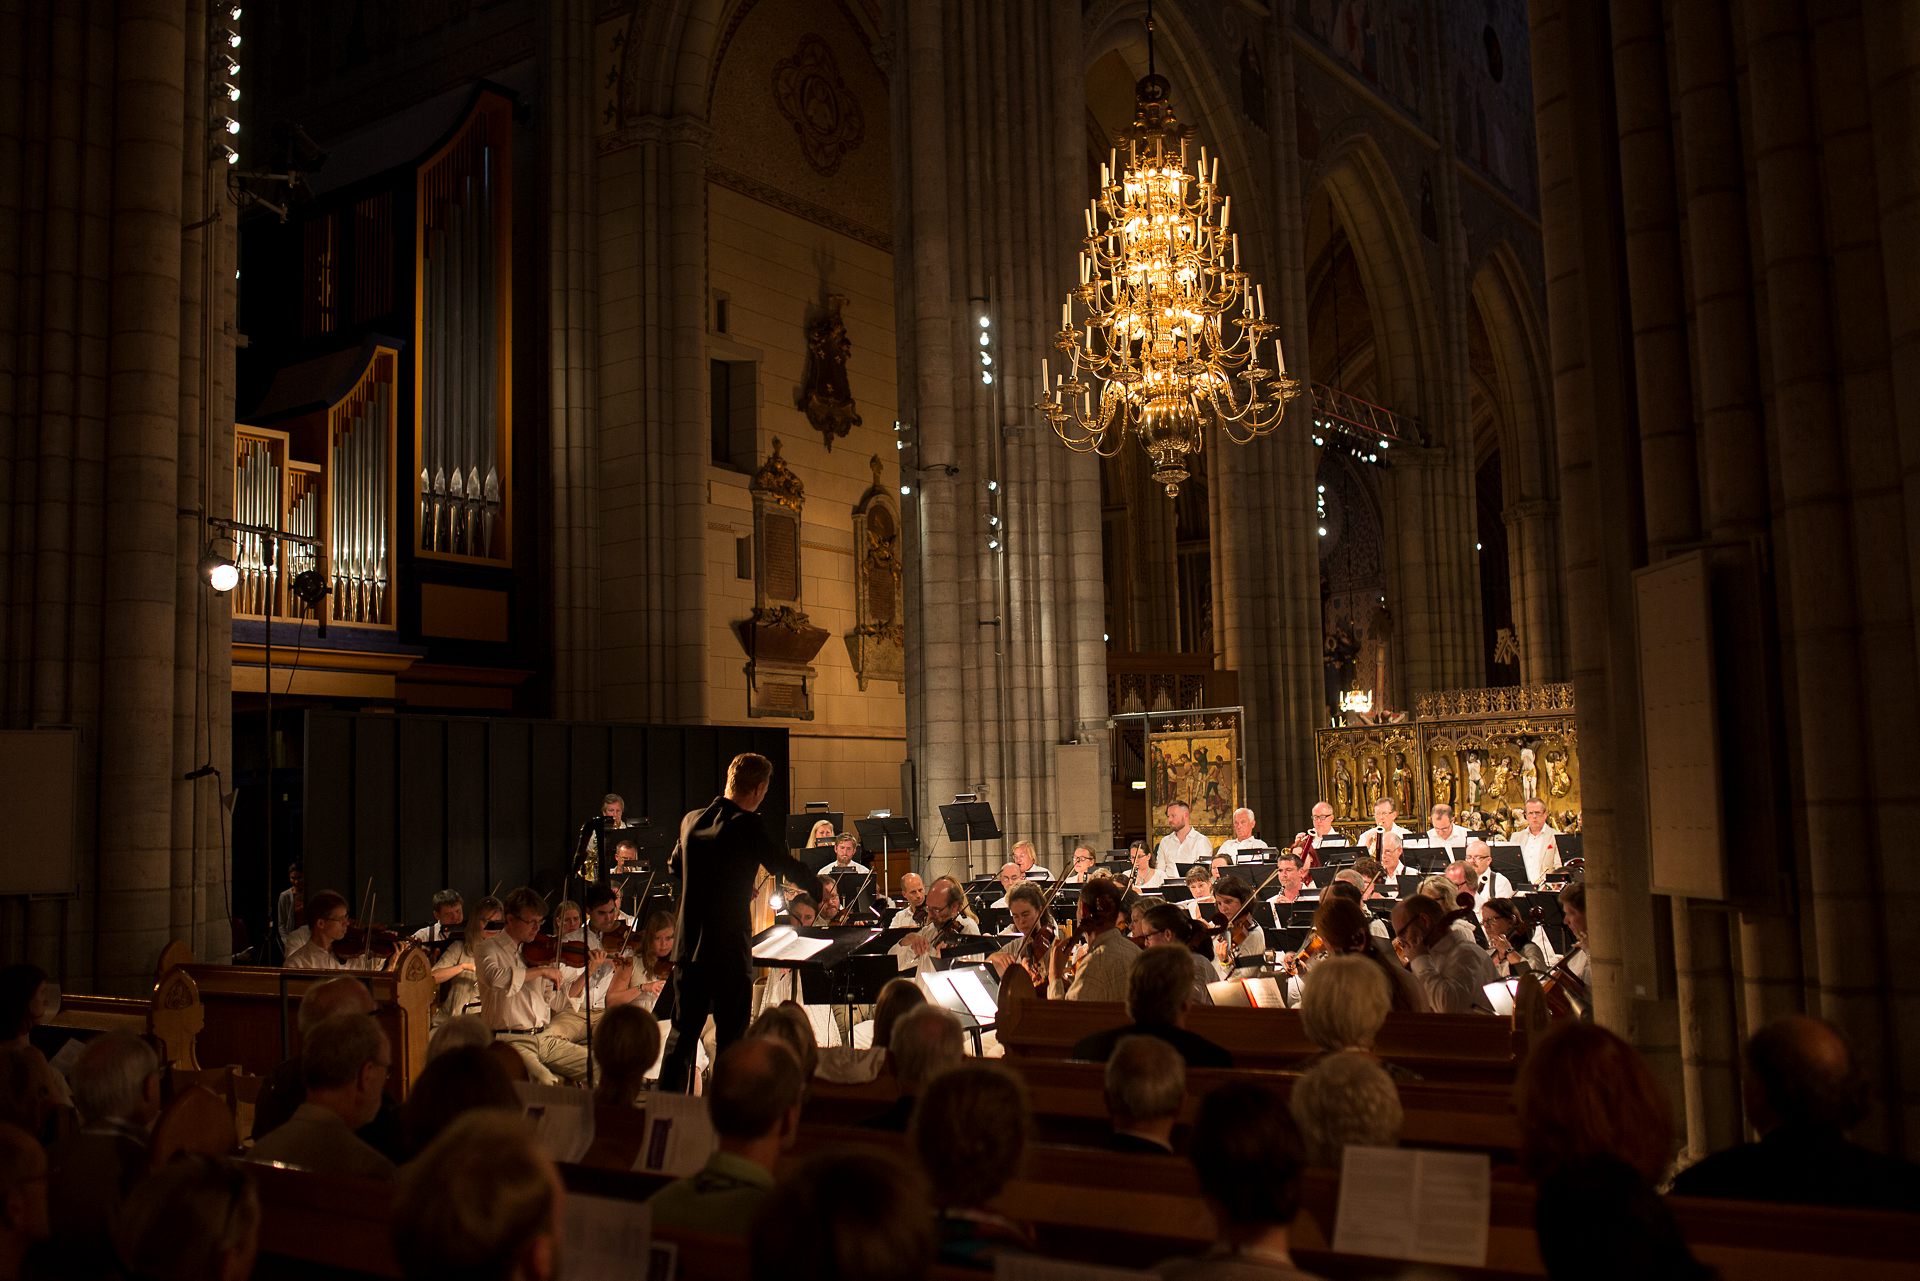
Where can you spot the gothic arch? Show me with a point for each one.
(1366, 200)
(1513, 329)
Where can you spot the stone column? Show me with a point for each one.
(1533, 560)
(573, 347)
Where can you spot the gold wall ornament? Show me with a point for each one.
(779, 639)
(1173, 327)
(777, 481)
(826, 396)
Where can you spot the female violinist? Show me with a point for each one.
(653, 959)
(1243, 938)
(1027, 906)
(1512, 951)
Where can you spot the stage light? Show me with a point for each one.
(221, 573)
(777, 902)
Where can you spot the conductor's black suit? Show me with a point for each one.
(722, 849)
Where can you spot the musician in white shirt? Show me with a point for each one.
(1023, 856)
(913, 893)
(1536, 842)
(1295, 885)
(1199, 890)
(1492, 883)
(1386, 817)
(844, 846)
(1145, 876)
(1010, 876)
(1184, 844)
(946, 918)
(1451, 970)
(1392, 867)
(612, 982)
(1243, 837)
(1322, 830)
(1082, 866)
(1444, 831)
(519, 1002)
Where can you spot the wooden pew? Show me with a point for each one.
(1440, 1047)
(171, 1017)
(1069, 1104)
(250, 1012)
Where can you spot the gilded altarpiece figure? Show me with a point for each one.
(877, 645)
(779, 638)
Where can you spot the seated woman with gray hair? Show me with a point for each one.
(1343, 1005)
(1346, 1097)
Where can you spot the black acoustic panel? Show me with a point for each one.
(627, 768)
(421, 783)
(772, 744)
(467, 797)
(375, 798)
(328, 837)
(670, 792)
(589, 782)
(509, 804)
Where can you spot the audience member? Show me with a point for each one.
(754, 1102)
(24, 991)
(1344, 1007)
(788, 1023)
(626, 1045)
(1620, 1229)
(1246, 1153)
(466, 1031)
(196, 1218)
(23, 1198)
(1584, 1093)
(970, 1132)
(843, 1216)
(1346, 1097)
(1146, 1082)
(344, 1065)
(1803, 1093)
(849, 1065)
(1159, 989)
(926, 1042)
(116, 1083)
(452, 1085)
(27, 1097)
(284, 1089)
(482, 1203)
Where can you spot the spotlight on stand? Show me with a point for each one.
(221, 574)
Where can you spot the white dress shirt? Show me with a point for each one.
(1455, 840)
(1194, 847)
(903, 920)
(1371, 837)
(1540, 854)
(311, 956)
(602, 977)
(1492, 885)
(1454, 974)
(508, 999)
(1231, 848)
(925, 964)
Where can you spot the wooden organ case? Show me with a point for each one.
(381, 425)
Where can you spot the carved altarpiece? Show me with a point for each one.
(877, 645)
(779, 639)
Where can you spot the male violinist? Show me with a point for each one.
(611, 984)
(913, 893)
(1295, 885)
(947, 922)
(1105, 953)
(721, 849)
(519, 1001)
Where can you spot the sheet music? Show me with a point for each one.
(606, 1238)
(974, 995)
(1408, 1203)
(789, 945)
(562, 1119)
(679, 1138)
(1265, 993)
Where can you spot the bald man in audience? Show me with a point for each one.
(1146, 1081)
(483, 1202)
(1803, 1092)
(754, 1102)
(345, 1065)
(116, 1085)
(283, 1090)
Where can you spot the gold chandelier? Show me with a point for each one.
(1174, 327)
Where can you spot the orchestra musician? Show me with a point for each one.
(1199, 891)
(1011, 876)
(1492, 884)
(1507, 943)
(1027, 906)
(1392, 867)
(1445, 832)
(1145, 875)
(1537, 847)
(1295, 885)
(1386, 818)
(586, 849)
(1243, 838)
(1029, 870)
(1453, 973)
(845, 846)
(327, 922)
(1322, 830)
(519, 1001)
(1082, 866)
(948, 921)
(611, 983)
(720, 850)
(653, 963)
(1246, 939)
(566, 918)
(1167, 926)
(626, 856)
(452, 963)
(913, 893)
(1103, 954)
(290, 912)
(822, 834)
(449, 910)
(1183, 844)
(1573, 909)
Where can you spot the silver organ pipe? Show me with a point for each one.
(359, 464)
(256, 500)
(459, 479)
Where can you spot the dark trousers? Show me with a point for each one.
(700, 989)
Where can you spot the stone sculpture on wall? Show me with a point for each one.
(878, 643)
(826, 396)
(778, 637)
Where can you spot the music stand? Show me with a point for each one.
(892, 834)
(968, 819)
(800, 828)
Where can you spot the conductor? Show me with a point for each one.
(721, 847)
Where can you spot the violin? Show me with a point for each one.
(1312, 950)
(542, 949)
(363, 939)
(1226, 948)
